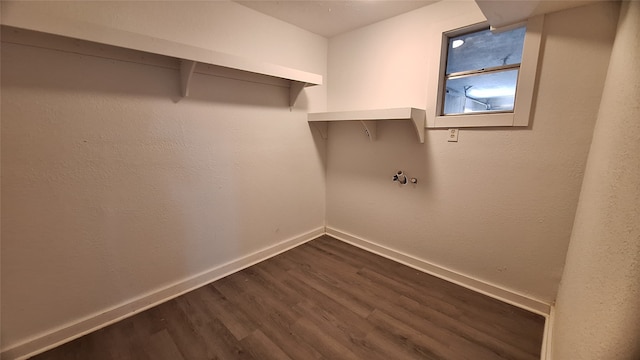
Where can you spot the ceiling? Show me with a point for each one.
(330, 18)
(333, 17)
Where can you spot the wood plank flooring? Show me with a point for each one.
(322, 300)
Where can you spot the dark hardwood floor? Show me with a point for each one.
(322, 300)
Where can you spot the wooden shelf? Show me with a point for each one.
(189, 55)
(368, 119)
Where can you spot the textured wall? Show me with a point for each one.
(113, 188)
(499, 204)
(598, 316)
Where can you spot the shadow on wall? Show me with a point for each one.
(358, 165)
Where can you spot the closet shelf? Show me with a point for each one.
(368, 119)
(24, 27)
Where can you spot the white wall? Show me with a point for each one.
(498, 205)
(113, 190)
(598, 316)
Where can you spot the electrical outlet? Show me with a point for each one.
(453, 135)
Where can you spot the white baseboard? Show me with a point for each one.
(483, 287)
(109, 316)
(99, 320)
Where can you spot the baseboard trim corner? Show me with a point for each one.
(101, 319)
(483, 287)
(547, 337)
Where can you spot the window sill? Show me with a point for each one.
(474, 120)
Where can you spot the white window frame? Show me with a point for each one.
(524, 88)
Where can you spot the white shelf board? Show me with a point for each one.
(368, 118)
(188, 53)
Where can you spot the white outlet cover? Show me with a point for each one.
(453, 135)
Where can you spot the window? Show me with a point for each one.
(481, 72)
(486, 77)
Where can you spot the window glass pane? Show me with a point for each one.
(484, 49)
(484, 92)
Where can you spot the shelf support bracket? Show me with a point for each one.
(371, 128)
(294, 91)
(186, 72)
